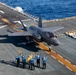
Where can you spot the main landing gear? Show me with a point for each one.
(28, 40)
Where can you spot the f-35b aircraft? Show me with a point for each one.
(39, 34)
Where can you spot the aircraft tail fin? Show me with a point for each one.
(40, 22)
(23, 24)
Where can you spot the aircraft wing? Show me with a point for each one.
(20, 34)
(54, 29)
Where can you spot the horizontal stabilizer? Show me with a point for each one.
(54, 29)
(20, 34)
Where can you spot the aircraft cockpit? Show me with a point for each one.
(50, 35)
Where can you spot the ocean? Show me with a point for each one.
(48, 9)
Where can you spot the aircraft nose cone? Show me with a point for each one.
(56, 43)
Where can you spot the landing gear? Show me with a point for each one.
(27, 40)
(49, 48)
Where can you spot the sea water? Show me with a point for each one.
(48, 9)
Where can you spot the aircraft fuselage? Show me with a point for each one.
(40, 34)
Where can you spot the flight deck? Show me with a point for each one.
(9, 46)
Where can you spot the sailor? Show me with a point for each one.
(29, 59)
(18, 60)
(24, 60)
(44, 62)
(32, 65)
(38, 60)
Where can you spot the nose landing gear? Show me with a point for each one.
(50, 48)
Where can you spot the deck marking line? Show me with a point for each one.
(74, 65)
(53, 56)
(60, 62)
(53, 51)
(47, 52)
(67, 61)
(8, 22)
(60, 55)
(3, 26)
(69, 68)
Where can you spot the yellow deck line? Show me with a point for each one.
(8, 22)
(62, 60)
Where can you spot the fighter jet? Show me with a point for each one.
(39, 34)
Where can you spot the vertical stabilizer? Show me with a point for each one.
(40, 22)
(22, 24)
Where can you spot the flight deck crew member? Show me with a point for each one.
(32, 66)
(18, 60)
(38, 60)
(24, 60)
(44, 62)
